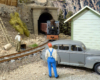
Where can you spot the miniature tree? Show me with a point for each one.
(68, 24)
(17, 23)
(65, 27)
(61, 22)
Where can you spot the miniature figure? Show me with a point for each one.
(51, 57)
(18, 39)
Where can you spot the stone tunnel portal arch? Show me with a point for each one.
(44, 17)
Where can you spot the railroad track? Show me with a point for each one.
(22, 54)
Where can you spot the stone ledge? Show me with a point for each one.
(43, 7)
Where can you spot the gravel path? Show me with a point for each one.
(33, 68)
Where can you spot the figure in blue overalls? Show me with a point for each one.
(51, 56)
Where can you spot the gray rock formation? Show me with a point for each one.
(25, 14)
(6, 10)
(41, 2)
(76, 5)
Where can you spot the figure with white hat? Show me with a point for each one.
(18, 39)
(51, 57)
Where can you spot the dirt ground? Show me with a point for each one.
(33, 68)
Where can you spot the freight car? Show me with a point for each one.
(44, 27)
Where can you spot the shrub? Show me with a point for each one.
(34, 45)
(65, 27)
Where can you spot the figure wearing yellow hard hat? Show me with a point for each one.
(51, 56)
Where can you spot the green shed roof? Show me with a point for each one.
(86, 7)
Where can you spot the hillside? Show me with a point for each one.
(75, 5)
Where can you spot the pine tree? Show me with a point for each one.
(68, 24)
(65, 27)
(61, 21)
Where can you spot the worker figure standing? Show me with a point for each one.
(51, 57)
(18, 42)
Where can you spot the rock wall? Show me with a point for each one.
(76, 5)
(25, 15)
(6, 10)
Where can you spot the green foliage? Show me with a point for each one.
(17, 23)
(68, 24)
(61, 21)
(34, 45)
(70, 13)
(65, 27)
(64, 1)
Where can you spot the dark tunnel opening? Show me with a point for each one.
(44, 17)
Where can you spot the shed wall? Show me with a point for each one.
(86, 28)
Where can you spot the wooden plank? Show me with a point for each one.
(2, 2)
(14, 3)
(87, 31)
(5, 30)
(87, 21)
(9, 2)
(87, 17)
(87, 35)
(4, 33)
(5, 1)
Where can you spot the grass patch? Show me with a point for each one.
(34, 45)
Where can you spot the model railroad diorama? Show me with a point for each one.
(52, 33)
(28, 28)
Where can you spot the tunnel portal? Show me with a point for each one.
(44, 17)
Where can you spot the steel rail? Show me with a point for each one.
(20, 56)
(23, 51)
(26, 53)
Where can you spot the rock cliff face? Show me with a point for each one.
(76, 5)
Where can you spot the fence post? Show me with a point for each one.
(11, 3)
(7, 2)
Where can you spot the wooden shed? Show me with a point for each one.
(85, 27)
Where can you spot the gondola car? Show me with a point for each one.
(44, 27)
(53, 36)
